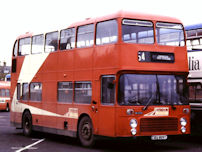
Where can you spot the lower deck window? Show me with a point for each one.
(108, 90)
(35, 91)
(65, 91)
(25, 91)
(195, 92)
(18, 91)
(4, 93)
(83, 92)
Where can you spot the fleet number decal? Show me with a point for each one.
(72, 113)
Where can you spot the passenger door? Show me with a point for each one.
(106, 109)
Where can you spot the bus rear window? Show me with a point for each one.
(136, 31)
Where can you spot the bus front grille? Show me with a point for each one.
(158, 124)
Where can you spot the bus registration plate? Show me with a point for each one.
(159, 137)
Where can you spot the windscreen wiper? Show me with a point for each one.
(157, 93)
(145, 107)
(158, 89)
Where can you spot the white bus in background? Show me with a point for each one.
(194, 49)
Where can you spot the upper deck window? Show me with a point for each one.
(191, 33)
(136, 31)
(194, 34)
(194, 39)
(51, 42)
(24, 46)
(107, 32)
(85, 36)
(199, 32)
(37, 44)
(67, 39)
(171, 34)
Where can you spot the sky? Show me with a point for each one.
(39, 16)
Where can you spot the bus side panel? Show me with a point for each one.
(106, 120)
(65, 123)
(106, 57)
(49, 101)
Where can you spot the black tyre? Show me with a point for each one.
(7, 108)
(27, 123)
(85, 132)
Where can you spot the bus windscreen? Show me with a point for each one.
(139, 89)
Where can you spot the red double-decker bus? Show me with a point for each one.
(4, 95)
(121, 75)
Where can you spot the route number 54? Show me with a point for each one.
(141, 56)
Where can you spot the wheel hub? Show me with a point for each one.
(86, 131)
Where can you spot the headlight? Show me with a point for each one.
(183, 121)
(183, 129)
(133, 123)
(133, 131)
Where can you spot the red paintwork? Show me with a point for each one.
(89, 64)
(4, 85)
(123, 118)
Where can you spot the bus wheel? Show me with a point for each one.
(85, 132)
(27, 123)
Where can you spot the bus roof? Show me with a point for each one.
(27, 34)
(193, 27)
(128, 14)
(124, 14)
